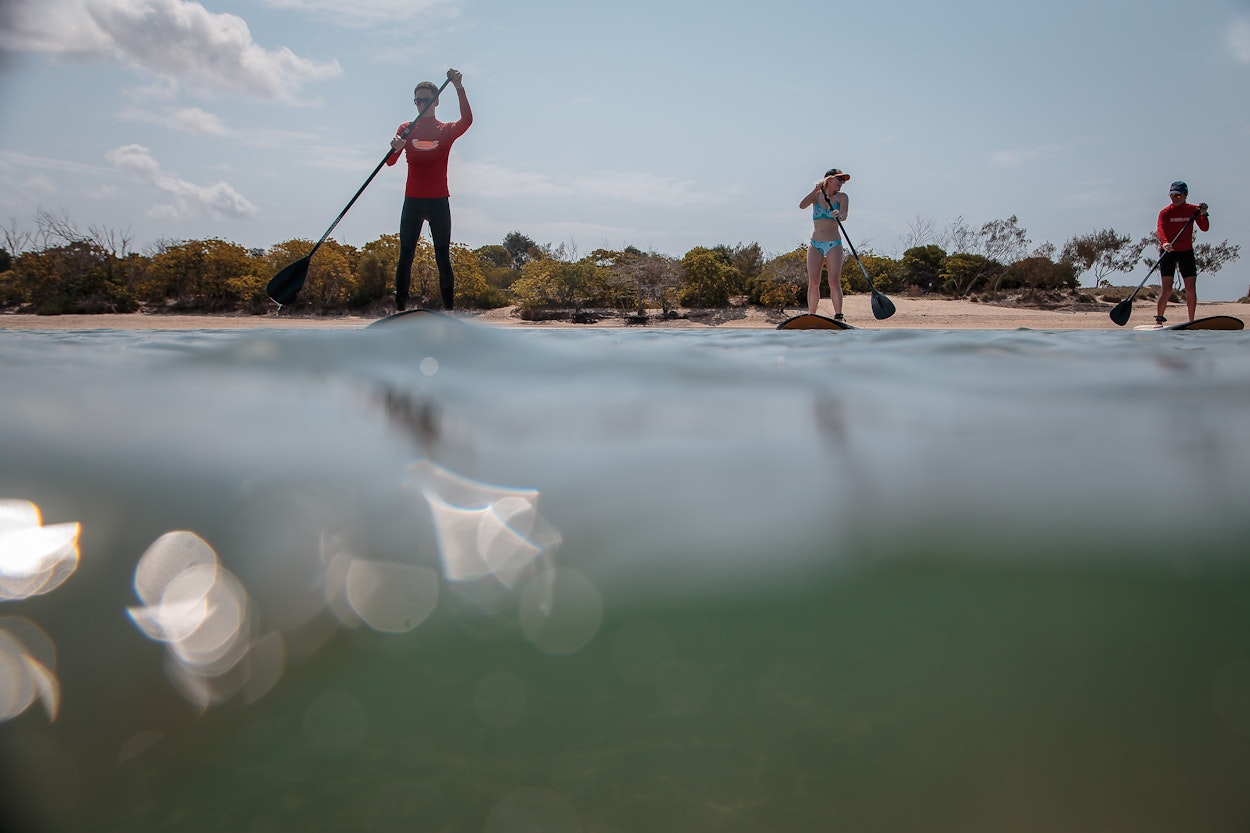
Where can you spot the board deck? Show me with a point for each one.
(1213, 322)
(809, 321)
(408, 316)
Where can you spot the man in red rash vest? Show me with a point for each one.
(426, 196)
(1174, 222)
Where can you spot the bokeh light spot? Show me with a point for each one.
(393, 598)
(533, 810)
(561, 611)
(34, 559)
(27, 669)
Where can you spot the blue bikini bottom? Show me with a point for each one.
(825, 245)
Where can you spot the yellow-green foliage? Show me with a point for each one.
(331, 281)
(538, 287)
(211, 274)
(879, 268)
(781, 280)
(707, 278)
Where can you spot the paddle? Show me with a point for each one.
(882, 307)
(1120, 312)
(287, 283)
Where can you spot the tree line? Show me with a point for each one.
(58, 269)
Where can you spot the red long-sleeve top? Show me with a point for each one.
(1172, 220)
(428, 148)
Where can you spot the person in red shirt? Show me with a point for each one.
(426, 196)
(1176, 240)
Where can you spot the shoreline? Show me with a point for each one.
(923, 314)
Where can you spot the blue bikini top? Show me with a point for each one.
(819, 212)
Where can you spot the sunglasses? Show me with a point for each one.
(422, 102)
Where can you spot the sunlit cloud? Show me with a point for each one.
(1239, 40)
(176, 39)
(190, 199)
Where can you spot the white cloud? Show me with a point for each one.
(1012, 158)
(191, 120)
(14, 161)
(1239, 40)
(189, 199)
(176, 39)
(37, 184)
(647, 189)
(493, 180)
(364, 12)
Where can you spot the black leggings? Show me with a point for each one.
(437, 212)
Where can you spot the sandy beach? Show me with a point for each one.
(925, 313)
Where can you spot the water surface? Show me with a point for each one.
(449, 577)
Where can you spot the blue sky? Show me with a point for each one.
(662, 125)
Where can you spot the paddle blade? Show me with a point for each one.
(882, 307)
(1121, 311)
(287, 283)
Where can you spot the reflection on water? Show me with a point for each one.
(27, 669)
(34, 558)
(202, 613)
(489, 537)
(454, 579)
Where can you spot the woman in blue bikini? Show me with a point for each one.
(828, 205)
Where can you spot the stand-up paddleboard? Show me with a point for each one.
(408, 316)
(1213, 322)
(811, 321)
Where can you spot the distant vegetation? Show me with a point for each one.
(57, 269)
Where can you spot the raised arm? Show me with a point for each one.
(466, 112)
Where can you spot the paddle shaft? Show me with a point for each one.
(842, 229)
(1188, 223)
(362, 188)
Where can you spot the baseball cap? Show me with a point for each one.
(1179, 187)
(838, 174)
